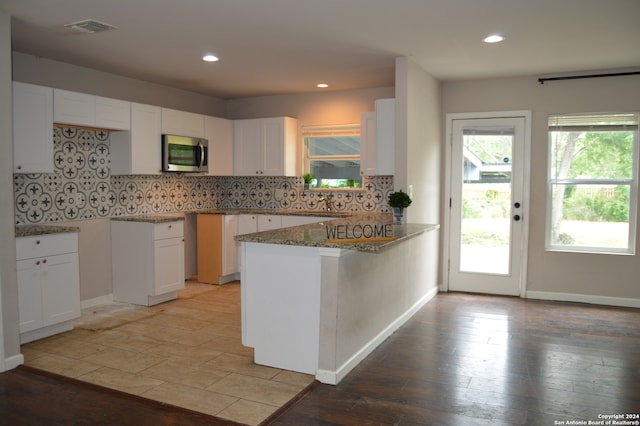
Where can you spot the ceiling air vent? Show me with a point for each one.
(90, 26)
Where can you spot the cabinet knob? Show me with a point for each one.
(37, 242)
(169, 226)
(44, 261)
(37, 262)
(19, 167)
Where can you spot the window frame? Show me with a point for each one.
(330, 130)
(632, 183)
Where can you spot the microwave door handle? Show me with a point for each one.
(199, 154)
(202, 154)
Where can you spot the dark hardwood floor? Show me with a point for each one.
(461, 360)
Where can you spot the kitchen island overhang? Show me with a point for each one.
(317, 306)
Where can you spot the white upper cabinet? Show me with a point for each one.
(385, 136)
(32, 128)
(377, 139)
(74, 108)
(81, 109)
(182, 123)
(113, 113)
(265, 146)
(138, 151)
(219, 133)
(367, 143)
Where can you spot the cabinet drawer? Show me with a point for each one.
(46, 245)
(165, 230)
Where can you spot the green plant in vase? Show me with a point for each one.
(399, 201)
(308, 179)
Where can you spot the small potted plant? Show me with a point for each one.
(308, 179)
(399, 201)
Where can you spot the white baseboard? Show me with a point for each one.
(13, 361)
(583, 298)
(96, 301)
(334, 377)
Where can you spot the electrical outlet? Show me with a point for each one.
(78, 198)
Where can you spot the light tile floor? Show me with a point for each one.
(186, 352)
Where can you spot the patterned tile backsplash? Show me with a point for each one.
(81, 188)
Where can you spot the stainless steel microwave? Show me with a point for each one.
(184, 154)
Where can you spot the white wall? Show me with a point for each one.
(418, 140)
(10, 343)
(47, 72)
(333, 107)
(571, 276)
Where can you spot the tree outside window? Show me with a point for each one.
(592, 190)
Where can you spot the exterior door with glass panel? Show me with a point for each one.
(486, 215)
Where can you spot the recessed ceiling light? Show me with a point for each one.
(494, 38)
(322, 85)
(209, 58)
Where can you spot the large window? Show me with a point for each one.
(593, 182)
(332, 156)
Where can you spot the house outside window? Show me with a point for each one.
(592, 183)
(332, 156)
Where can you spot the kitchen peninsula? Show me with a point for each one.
(319, 305)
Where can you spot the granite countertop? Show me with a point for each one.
(31, 230)
(151, 218)
(343, 233)
(315, 213)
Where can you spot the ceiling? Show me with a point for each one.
(288, 46)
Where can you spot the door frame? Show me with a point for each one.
(446, 228)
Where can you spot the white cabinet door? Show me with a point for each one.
(247, 147)
(265, 146)
(182, 123)
(385, 139)
(139, 151)
(81, 109)
(112, 113)
(229, 246)
(74, 108)
(219, 133)
(29, 295)
(60, 288)
(367, 143)
(32, 128)
(48, 281)
(247, 224)
(169, 265)
(267, 222)
(288, 221)
(147, 261)
(273, 150)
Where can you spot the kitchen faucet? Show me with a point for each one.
(327, 200)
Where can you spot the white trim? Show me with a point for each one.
(334, 377)
(526, 191)
(13, 362)
(97, 301)
(584, 298)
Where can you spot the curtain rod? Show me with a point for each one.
(575, 77)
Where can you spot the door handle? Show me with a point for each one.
(516, 217)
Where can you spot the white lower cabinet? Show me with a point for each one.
(288, 221)
(48, 284)
(267, 222)
(147, 261)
